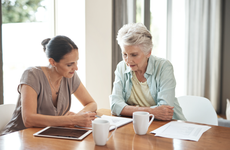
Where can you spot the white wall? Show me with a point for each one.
(98, 47)
(70, 21)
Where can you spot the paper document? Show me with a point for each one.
(181, 130)
(118, 121)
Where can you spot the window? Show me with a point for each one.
(158, 24)
(21, 40)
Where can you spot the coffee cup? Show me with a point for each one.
(141, 122)
(101, 131)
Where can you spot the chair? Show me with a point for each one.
(6, 112)
(223, 122)
(198, 109)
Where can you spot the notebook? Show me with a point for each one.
(118, 121)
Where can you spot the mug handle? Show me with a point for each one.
(113, 131)
(151, 119)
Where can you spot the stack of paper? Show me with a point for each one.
(181, 130)
(118, 121)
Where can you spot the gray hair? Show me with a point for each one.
(135, 34)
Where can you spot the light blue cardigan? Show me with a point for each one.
(160, 80)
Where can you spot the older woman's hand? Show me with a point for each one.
(163, 112)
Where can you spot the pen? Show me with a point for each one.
(95, 116)
(98, 116)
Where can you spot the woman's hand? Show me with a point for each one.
(163, 112)
(84, 118)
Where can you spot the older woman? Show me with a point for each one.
(143, 82)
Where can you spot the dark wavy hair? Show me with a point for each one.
(58, 46)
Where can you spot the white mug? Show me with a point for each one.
(101, 131)
(141, 122)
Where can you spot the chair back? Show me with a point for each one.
(198, 109)
(6, 112)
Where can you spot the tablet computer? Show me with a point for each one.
(64, 133)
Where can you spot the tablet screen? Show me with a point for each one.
(60, 132)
